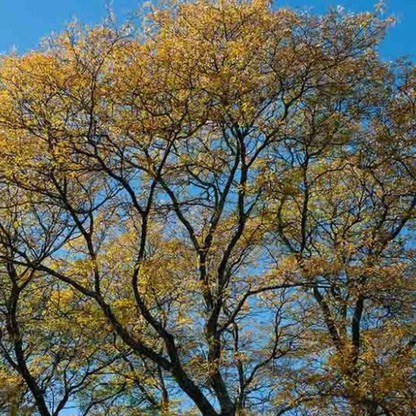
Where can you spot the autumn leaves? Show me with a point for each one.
(210, 215)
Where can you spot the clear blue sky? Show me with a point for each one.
(24, 22)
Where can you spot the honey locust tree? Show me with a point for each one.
(226, 197)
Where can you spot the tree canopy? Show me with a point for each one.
(209, 210)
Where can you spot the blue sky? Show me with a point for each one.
(24, 22)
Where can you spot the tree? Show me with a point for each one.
(223, 203)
